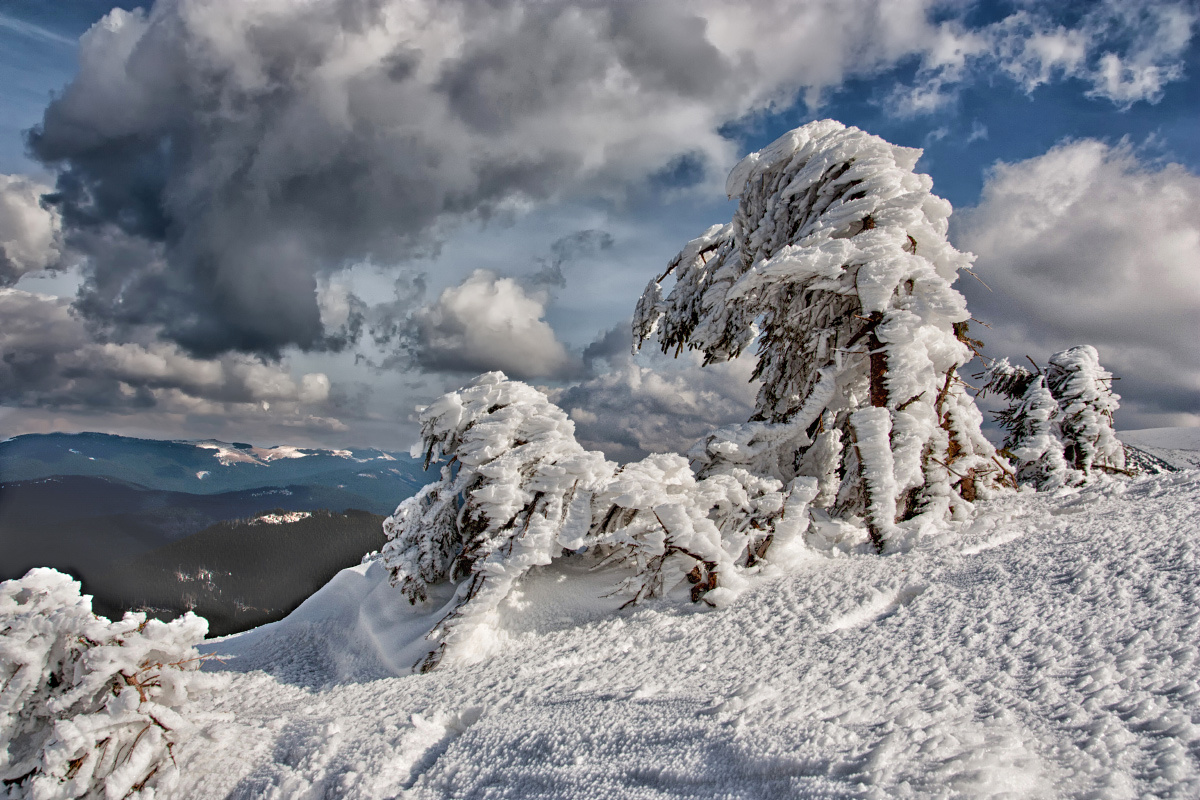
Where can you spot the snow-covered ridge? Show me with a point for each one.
(280, 519)
(1179, 447)
(227, 454)
(1047, 648)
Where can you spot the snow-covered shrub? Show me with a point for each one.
(1031, 427)
(1087, 402)
(518, 491)
(515, 478)
(837, 261)
(1058, 426)
(88, 707)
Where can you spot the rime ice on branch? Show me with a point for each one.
(837, 261)
(1059, 424)
(518, 491)
(88, 707)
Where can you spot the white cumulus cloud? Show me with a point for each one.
(1089, 244)
(486, 323)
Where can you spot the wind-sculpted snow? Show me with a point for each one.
(518, 492)
(1048, 648)
(88, 707)
(837, 264)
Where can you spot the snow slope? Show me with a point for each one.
(1179, 447)
(1050, 648)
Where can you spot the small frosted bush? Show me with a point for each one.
(88, 707)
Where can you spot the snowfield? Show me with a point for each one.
(1049, 648)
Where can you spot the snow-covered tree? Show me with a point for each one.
(1059, 424)
(1031, 425)
(837, 264)
(515, 479)
(518, 491)
(1084, 393)
(88, 707)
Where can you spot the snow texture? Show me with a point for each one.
(837, 264)
(88, 707)
(1047, 648)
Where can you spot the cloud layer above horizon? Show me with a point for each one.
(223, 170)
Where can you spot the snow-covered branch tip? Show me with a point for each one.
(88, 707)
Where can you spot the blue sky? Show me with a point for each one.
(1084, 102)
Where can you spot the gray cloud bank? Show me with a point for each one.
(217, 158)
(1088, 244)
(50, 360)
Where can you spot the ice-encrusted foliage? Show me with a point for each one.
(518, 491)
(837, 260)
(1059, 424)
(1032, 440)
(89, 707)
(1087, 402)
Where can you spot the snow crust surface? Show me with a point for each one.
(1048, 648)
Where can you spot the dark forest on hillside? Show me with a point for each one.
(239, 574)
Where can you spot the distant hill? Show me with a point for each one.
(1178, 447)
(211, 467)
(84, 524)
(240, 574)
(105, 507)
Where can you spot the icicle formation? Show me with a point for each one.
(1059, 425)
(519, 491)
(90, 707)
(837, 259)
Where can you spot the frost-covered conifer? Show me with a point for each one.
(837, 261)
(515, 478)
(1058, 426)
(518, 491)
(88, 707)
(1086, 401)
(1031, 426)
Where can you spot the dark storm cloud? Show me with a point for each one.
(215, 158)
(614, 346)
(581, 244)
(49, 359)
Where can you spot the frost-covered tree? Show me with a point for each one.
(515, 479)
(1031, 425)
(1087, 402)
(88, 707)
(1059, 423)
(837, 264)
(518, 491)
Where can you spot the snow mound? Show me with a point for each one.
(1048, 648)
